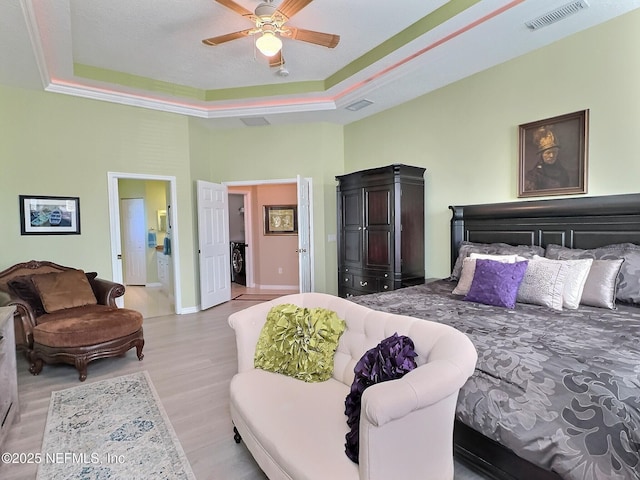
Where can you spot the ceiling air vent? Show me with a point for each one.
(359, 105)
(255, 121)
(556, 15)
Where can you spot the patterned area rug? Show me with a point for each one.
(111, 429)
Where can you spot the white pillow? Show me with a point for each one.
(498, 258)
(543, 283)
(469, 269)
(574, 281)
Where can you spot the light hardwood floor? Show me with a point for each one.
(149, 301)
(191, 359)
(153, 302)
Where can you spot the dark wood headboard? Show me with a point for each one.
(585, 222)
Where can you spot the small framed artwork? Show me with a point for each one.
(280, 220)
(553, 155)
(42, 215)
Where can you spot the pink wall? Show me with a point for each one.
(272, 253)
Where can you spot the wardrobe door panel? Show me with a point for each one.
(379, 249)
(378, 207)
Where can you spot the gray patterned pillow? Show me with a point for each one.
(543, 283)
(467, 248)
(628, 283)
(575, 280)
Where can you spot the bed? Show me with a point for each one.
(556, 394)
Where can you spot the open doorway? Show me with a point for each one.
(141, 206)
(271, 263)
(237, 238)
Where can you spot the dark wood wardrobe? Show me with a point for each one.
(380, 229)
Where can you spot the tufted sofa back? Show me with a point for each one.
(365, 329)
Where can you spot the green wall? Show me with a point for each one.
(282, 152)
(62, 145)
(466, 134)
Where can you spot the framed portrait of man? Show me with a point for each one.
(553, 155)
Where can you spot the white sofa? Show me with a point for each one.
(296, 430)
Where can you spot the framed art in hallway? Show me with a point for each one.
(46, 215)
(553, 155)
(280, 220)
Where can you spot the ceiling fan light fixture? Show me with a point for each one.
(268, 44)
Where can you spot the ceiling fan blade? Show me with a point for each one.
(213, 41)
(235, 7)
(288, 8)
(277, 60)
(325, 39)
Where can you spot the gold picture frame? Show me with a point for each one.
(553, 155)
(280, 220)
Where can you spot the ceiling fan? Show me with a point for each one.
(270, 25)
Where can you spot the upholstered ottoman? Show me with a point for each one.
(79, 335)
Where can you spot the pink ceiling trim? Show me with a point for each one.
(426, 49)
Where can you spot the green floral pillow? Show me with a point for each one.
(299, 342)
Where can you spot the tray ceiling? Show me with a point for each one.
(149, 53)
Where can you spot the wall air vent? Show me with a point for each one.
(556, 15)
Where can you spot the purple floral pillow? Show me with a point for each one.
(390, 359)
(496, 283)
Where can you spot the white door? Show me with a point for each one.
(304, 235)
(213, 244)
(133, 234)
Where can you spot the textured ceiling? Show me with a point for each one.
(149, 52)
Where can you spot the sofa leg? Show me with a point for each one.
(236, 435)
(36, 366)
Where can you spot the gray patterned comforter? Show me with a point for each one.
(560, 389)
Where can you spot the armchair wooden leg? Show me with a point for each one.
(139, 346)
(81, 366)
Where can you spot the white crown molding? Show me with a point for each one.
(125, 99)
(215, 111)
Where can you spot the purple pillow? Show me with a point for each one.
(496, 283)
(390, 359)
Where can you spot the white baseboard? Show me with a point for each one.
(277, 287)
(187, 310)
(155, 284)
